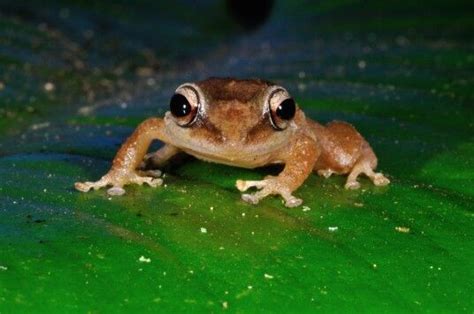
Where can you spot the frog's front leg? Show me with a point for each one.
(130, 155)
(299, 160)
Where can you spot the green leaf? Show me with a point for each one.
(192, 245)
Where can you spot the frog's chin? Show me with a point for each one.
(230, 153)
(236, 159)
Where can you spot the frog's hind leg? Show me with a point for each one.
(158, 158)
(365, 165)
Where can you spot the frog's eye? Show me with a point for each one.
(282, 108)
(184, 105)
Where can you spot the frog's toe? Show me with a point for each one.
(155, 173)
(326, 173)
(116, 191)
(266, 187)
(292, 201)
(151, 181)
(250, 198)
(380, 180)
(83, 186)
(352, 185)
(257, 196)
(243, 185)
(87, 186)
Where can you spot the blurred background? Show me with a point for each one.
(77, 76)
(79, 55)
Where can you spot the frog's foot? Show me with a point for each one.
(326, 173)
(377, 177)
(117, 181)
(268, 186)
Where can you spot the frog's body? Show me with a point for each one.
(244, 123)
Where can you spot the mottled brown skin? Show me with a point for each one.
(234, 123)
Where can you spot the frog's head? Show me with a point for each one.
(221, 115)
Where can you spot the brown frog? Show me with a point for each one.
(243, 123)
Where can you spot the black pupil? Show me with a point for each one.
(179, 106)
(286, 110)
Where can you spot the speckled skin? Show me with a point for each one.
(232, 126)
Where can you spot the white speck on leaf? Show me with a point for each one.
(48, 86)
(402, 229)
(301, 86)
(203, 230)
(143, 259)
(361, 64)
(333, 229)
(39, 126)
(267, 276)
(86, 110)
(306, 208)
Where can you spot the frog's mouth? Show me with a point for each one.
(204, 144)
(230, 153)
(224, 151)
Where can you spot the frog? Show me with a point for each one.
(248, 123)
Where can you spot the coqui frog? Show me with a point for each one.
(246, 123)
